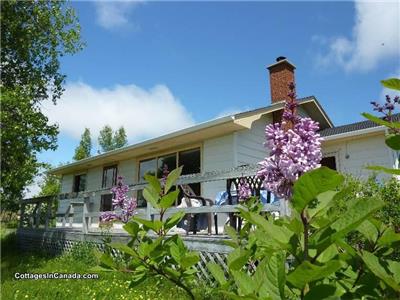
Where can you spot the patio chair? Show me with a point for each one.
(188, 196)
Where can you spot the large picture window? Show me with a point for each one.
(189, 159)
(109, 176)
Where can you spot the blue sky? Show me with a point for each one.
(155, 67)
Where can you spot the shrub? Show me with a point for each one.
(84, 252)
(306, 256)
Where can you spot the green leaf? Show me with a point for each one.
(244, 282)
(322, 292)
(100, 269)
(169, 199)
(175, 252)
(280, 234)
(391, 83)
(137, 279)
(372, 262)
(313, 183)
(393, 141)
(132, 228)
(394, 268)
(328, 254)
(172, 178)
(107, 261)
(380, 121)
(324, 199)
(237, 258)
(174, 219)
(388, 237)
(155, 225)
(189, 260)
(355, 215)
(217, 272)
(151, 196)
(383, 169)
(153, 182)
(123, 248)
(307, 272)
(276, 277)
(231, 232)
(368, 230)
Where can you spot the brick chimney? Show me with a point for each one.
(281, 74)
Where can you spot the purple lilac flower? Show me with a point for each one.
(244, 192)
(165, 173)
(127, 205)
(387, 108)
(295, 148)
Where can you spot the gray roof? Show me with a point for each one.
(353, 127)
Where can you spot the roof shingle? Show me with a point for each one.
(353, 127)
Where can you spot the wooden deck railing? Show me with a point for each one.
(40, 212)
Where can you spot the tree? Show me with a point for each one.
(106, 139)
(84, 147)
(35, 34)
(120, 138)
(109, 140)
(50, 185)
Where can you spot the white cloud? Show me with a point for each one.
(375, 37)
(114, 14)
(229, 112)
(143, 113)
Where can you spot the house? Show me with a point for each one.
(225, 143)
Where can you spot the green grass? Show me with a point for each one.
(111, 285)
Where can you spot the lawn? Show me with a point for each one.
(110, 285)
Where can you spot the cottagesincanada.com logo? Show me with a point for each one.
(54, 275)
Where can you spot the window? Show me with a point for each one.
(329, 161)
(190, 159)
(167, 160)
(109, 176)
(79, 183)
(106, 202)
(148, 166)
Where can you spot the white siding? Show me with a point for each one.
(352, 156)
(128, 170)
(249, 146)
(218, 154)
(94, 178)
(67, 182)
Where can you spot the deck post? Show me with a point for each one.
(71, 211)
(85, 228)
(48, 214)
(148, 211)
(37, 214)
(22, 215)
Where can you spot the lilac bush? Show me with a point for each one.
(244, 191)
(295, 148)
(127, 205)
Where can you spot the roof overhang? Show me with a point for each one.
(192, 135)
